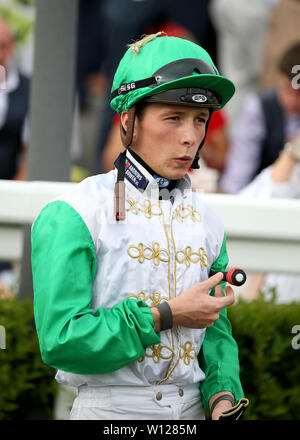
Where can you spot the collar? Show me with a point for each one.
(142, 177)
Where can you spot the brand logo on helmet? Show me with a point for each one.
(199, 98)
(126, 88)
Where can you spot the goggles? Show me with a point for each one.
(170, 72)
(197, 97)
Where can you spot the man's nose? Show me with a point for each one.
(189, 134)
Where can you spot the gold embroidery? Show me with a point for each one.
(169, 263)
(147, 208)
(154, 297)
(170, 296)
(155, 253)
(158, 352)
(157, 355)
(150, 209)
(192, 257)
(170, 370)
(186, 351)
(183, 212)
(187, 354)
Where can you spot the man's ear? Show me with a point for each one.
(127, 126)
(124, 120)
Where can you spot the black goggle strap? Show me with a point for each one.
(197, 97)
(128, 87)
(169, 72)
(120, 189)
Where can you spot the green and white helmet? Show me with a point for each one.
(167, 70)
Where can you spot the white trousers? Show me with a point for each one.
(157, 402)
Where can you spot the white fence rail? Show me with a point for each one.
(262, 234)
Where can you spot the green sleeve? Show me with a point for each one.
(218, 357)
(72, 336)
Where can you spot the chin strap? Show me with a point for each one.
(236, 412)
(195, 165)
(120, 189)
(126, 136)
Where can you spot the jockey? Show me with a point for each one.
(124, 305)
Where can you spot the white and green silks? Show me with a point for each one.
(95, 279)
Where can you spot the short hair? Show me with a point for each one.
(289, 59)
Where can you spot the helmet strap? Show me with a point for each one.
(195, 165)
(127, 136)
(120, 189)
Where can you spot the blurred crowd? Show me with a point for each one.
(256, 44)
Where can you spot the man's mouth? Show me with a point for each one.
(183, 160)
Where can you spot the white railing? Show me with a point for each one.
(262, 234)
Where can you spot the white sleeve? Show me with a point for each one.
(264, 186)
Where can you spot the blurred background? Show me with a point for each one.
(56, 125)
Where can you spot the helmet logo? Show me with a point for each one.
(126, 88)
(199, 98)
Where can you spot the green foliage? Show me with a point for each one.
(20, 24)
(27, 385)
(270, 366)
(26, 2)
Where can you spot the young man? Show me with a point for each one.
(121, 263)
